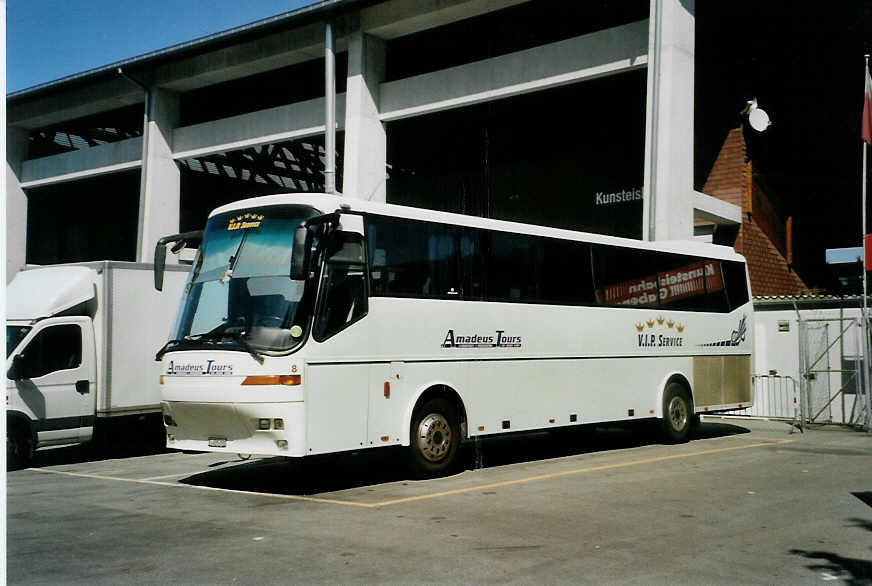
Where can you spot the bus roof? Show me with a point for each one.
(328, 203)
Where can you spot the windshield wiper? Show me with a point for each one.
(234, 259)
(166, 348)
(218, 334)
(223, 331)
(239, 338)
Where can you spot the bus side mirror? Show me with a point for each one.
(160, 252)
(160, 260)
(16, 369)
(300, 254)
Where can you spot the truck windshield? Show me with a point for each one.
(14, 335)
(240, 285)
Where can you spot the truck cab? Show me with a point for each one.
(51, 360)
(80, 346)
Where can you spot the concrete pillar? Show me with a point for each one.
(364, 170)
(668, 190)
(160, 181)
(16, 202)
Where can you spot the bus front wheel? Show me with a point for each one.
(677, 413)
(434, 437)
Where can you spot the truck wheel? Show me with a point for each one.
(19, 445)
(677, 413)
(434, 437)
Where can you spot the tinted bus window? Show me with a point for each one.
(413, 258)
(533, 269)
(469, 246)
(567, 276)
(512, 270)
(693, 284)
(627, 277)
(410, 258)
(736, 283)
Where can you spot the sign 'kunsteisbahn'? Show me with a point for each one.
(687, 281)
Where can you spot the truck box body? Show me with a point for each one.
(130, 321)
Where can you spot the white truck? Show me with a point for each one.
(80, 352)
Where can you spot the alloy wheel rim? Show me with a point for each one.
(677, 413)
(434, 437)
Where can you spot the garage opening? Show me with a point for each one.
(287, 167)
(91, 219)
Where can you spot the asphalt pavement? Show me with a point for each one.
(744, 502)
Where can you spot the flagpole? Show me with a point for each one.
(863, 182)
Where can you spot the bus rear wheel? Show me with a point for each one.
(434, 438)
(677, 413)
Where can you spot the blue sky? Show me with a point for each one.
(50, 39)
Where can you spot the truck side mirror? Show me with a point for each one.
(16, 370)
(300, 254)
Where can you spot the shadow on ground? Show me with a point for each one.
(94, 451)
(315, 475)
(853, 571)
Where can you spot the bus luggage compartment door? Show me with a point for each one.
(387, 404)
(336, 407)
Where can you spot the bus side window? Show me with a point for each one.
(413, 258)
(512, 268)
(565, 276)
(343, 298)
(535, 269)
(471, 264)
(692, 284)
(736, 284)
(626, 277)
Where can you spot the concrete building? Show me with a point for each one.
(562, 113)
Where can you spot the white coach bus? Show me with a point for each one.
(314, 324)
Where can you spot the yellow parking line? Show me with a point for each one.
(572, 472)
(292, 497)
(165, 476)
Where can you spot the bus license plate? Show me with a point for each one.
(217, 442)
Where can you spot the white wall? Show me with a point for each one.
(777, 353)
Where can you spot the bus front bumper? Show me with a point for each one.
(276, 429)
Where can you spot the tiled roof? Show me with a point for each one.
(731, 180)
(727, 180)
(767, 269)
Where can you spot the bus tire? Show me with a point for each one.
(19, 444)
(677, 413)
(434, 438)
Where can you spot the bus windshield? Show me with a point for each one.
(240, 286)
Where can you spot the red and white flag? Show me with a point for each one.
(867, 109)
